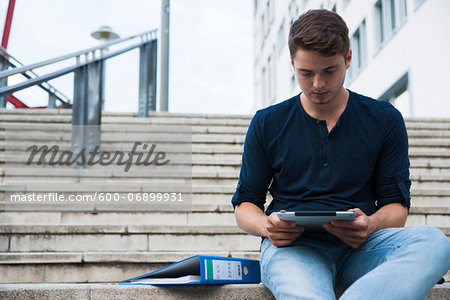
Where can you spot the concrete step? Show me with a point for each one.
(20, 158)
(416, 122)
(427, 181)
(134, 238)
(168, 119)
(209, 148)
(427, 124)
(122, 128)
(429, 153)
(234, 160)
(219, 196)
(430, 181)
(206, 188)
(414, 129)
(125, 218)
(199, 174)
(201, 214)
(208, 138)
(420, 171)
(429, 142)
(119, 292)
(198, 133)
(427, 134)
(428, 171)
(214, 201)
(206, 172)
(124, 238)
(78, 267)
(48, 131)
(15, 258)
(201, 143)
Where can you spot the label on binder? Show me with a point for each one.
(223, 269)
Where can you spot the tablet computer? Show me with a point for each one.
(313, 220)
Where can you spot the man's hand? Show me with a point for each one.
(281, 233)
(353, 233)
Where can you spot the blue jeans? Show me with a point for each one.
(394, 263)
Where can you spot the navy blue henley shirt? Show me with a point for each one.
(361, 163)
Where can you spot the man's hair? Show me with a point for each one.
(319, 30)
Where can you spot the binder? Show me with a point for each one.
(202, 269)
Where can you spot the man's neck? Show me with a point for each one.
(328, 112)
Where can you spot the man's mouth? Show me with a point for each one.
(320, 94)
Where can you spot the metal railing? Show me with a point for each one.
(91, 55)
(89, 73)
(54, 93)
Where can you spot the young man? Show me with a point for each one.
(332, 149)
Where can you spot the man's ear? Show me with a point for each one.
(348, 59)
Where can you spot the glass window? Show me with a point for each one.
(389, 15)
(380, 22)
(359, 50)
(270, 11)
(281, 37)
(398, 94)
(417, 3)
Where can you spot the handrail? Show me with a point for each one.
(144, 35)
(44, 85)
(61, 72)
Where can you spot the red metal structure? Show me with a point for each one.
(8, 22)
(6, 31)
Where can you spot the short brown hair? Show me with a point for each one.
(319, 30)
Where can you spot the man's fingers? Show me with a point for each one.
(276, 224)
(276, 221)
(295, 229)
(283, 238)
(351, 237)
(282, 233)
(281, 243)
(358, 224)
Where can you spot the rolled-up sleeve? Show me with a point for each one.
(256, 174)
(392, 183)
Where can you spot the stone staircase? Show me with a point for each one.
(104, 247)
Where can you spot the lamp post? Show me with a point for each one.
(104, 34)
(89, 91)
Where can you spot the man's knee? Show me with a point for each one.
(433, 240)
(428, 233)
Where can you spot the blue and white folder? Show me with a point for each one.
(201, 269)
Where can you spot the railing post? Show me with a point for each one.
(4, 81)
(51, 101)
(164, 73)
(86, 111)
(147, 78)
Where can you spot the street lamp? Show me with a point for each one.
(104, 34)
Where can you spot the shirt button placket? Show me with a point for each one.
(325, 163)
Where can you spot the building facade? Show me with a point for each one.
(399, 51)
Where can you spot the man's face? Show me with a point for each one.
(321, 78)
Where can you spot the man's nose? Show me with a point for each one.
(318, 82)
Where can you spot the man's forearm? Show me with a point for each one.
(390, 215)
(254, 221)
(355, 233)
(251, 219)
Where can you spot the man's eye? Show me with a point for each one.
(306, 74)
(330, 72)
